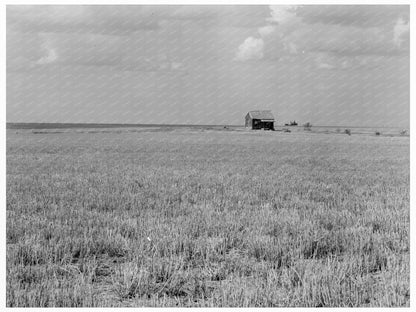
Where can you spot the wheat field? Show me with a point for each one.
(206, 218)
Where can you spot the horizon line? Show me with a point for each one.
(186, 125)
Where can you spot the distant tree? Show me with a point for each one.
(403, 132)
(378, 133)
(348, 131)
(307, 126)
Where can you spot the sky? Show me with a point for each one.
(195, 64)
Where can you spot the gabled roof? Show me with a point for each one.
(261, 114)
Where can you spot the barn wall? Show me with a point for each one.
(249, 122)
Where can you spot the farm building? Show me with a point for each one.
(260, 119)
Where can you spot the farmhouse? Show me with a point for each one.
(260, 119)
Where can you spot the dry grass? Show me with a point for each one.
(207, 218)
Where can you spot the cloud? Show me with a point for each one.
(250, 49)
(115, 20)
(133, 53)
(325, 66)
(266, 30)
(291, 47)
(81, 49)
(50, 57)
(352, 15)
(333, 61)
(138, 51)
(126, 35)
(401, 32)
(222, 15)
(339, 30)
(253, 48)
(343, 40)
(125, 19)
(282, 14)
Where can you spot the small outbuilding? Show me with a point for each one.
(260, 119)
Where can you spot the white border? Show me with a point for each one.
(412, 154)
(3, 135)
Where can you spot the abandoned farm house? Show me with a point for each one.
(260, 119)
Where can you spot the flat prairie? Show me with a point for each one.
(207, 218)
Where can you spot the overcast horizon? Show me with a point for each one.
(328, 65)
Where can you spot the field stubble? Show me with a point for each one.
(207, 218)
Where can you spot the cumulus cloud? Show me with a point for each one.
(251, 49)
(80, 49)
(50, 57)
(90, 34)
(127, 35)
(283, 14)
(401, 31)
(338, 30)
(27, 52)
